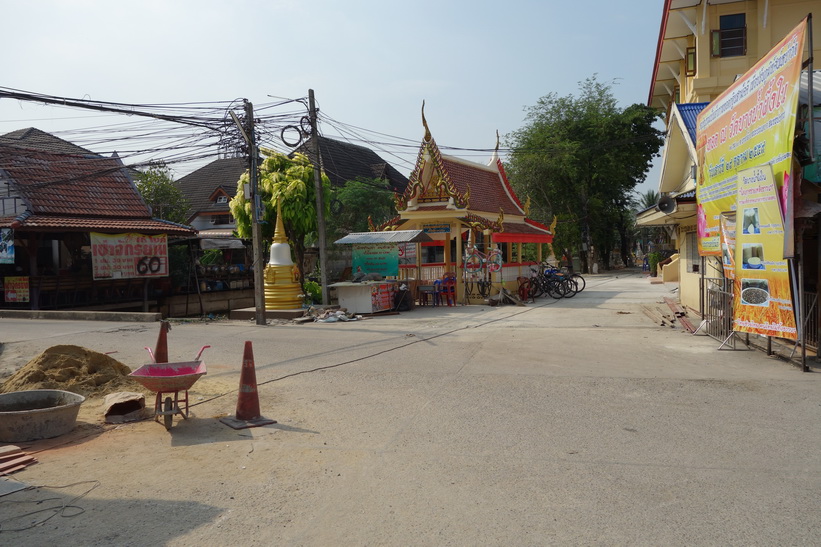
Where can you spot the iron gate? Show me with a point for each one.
(717, 303)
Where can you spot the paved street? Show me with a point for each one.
(565, 422)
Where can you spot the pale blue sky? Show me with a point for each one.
(477, 64)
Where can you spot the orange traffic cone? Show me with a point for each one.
(248, 414)
(161, 353)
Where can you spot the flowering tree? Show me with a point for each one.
(289, 180)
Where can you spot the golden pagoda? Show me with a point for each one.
(282, 288)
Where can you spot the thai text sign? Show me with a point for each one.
(376, 258)
(16, 289)
(407, 253)
(762, 299)
(440, 228)
(750, 123)
(120, 256)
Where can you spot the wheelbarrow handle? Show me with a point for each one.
(203, 348)
(151, 353)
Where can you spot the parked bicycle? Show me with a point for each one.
(577, 277)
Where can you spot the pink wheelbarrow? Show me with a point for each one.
(168, 378)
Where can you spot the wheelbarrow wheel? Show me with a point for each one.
(168, 410)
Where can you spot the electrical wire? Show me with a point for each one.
(62, 509)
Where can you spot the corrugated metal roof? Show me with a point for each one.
(396, 236)
(689, 112)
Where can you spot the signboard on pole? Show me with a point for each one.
(751, 123)
(407, 253)
(123, 256)
(762, 299)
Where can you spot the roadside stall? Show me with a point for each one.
(375, 259)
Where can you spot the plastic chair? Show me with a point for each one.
(437, 292)
(448, 294)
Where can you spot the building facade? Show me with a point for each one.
(703, 47)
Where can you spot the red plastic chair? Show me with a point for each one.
(448, 293)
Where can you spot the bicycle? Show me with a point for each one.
(478, 268)
(527, 289)
(579, 281)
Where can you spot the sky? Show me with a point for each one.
(477, 64)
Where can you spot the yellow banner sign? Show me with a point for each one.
(750, 123)
(762, 299)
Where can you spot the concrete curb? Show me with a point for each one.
(131, 317)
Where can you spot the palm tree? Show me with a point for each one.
(649, 199)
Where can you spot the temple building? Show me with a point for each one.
(468, 209)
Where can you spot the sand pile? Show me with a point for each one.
(73, 368)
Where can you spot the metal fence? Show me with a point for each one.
(717, 306)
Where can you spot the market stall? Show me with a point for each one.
(374, 285)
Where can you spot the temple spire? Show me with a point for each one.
(428, 136)
(279, 231)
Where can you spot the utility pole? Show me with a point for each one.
(320, 202)
(256, 230)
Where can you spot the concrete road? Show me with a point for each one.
(566, 422)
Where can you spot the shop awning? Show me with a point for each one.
(395, 236)
(217, 238)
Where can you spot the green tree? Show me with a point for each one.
(645, 234)
(648, 199)
(290, 181)
(580, 157)
(355, 202)
(156, 185)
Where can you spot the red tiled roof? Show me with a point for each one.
(75, 192)
(65, 184)
(50, 223)
(524, 233)
(487, 188)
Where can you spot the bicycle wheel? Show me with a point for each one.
(536, 287)
(579, 281)
(556, 288)
(572, 288)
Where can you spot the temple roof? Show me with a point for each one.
(475, 193)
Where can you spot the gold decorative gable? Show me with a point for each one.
(430, 181)
(387, 226)
(477, 223)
